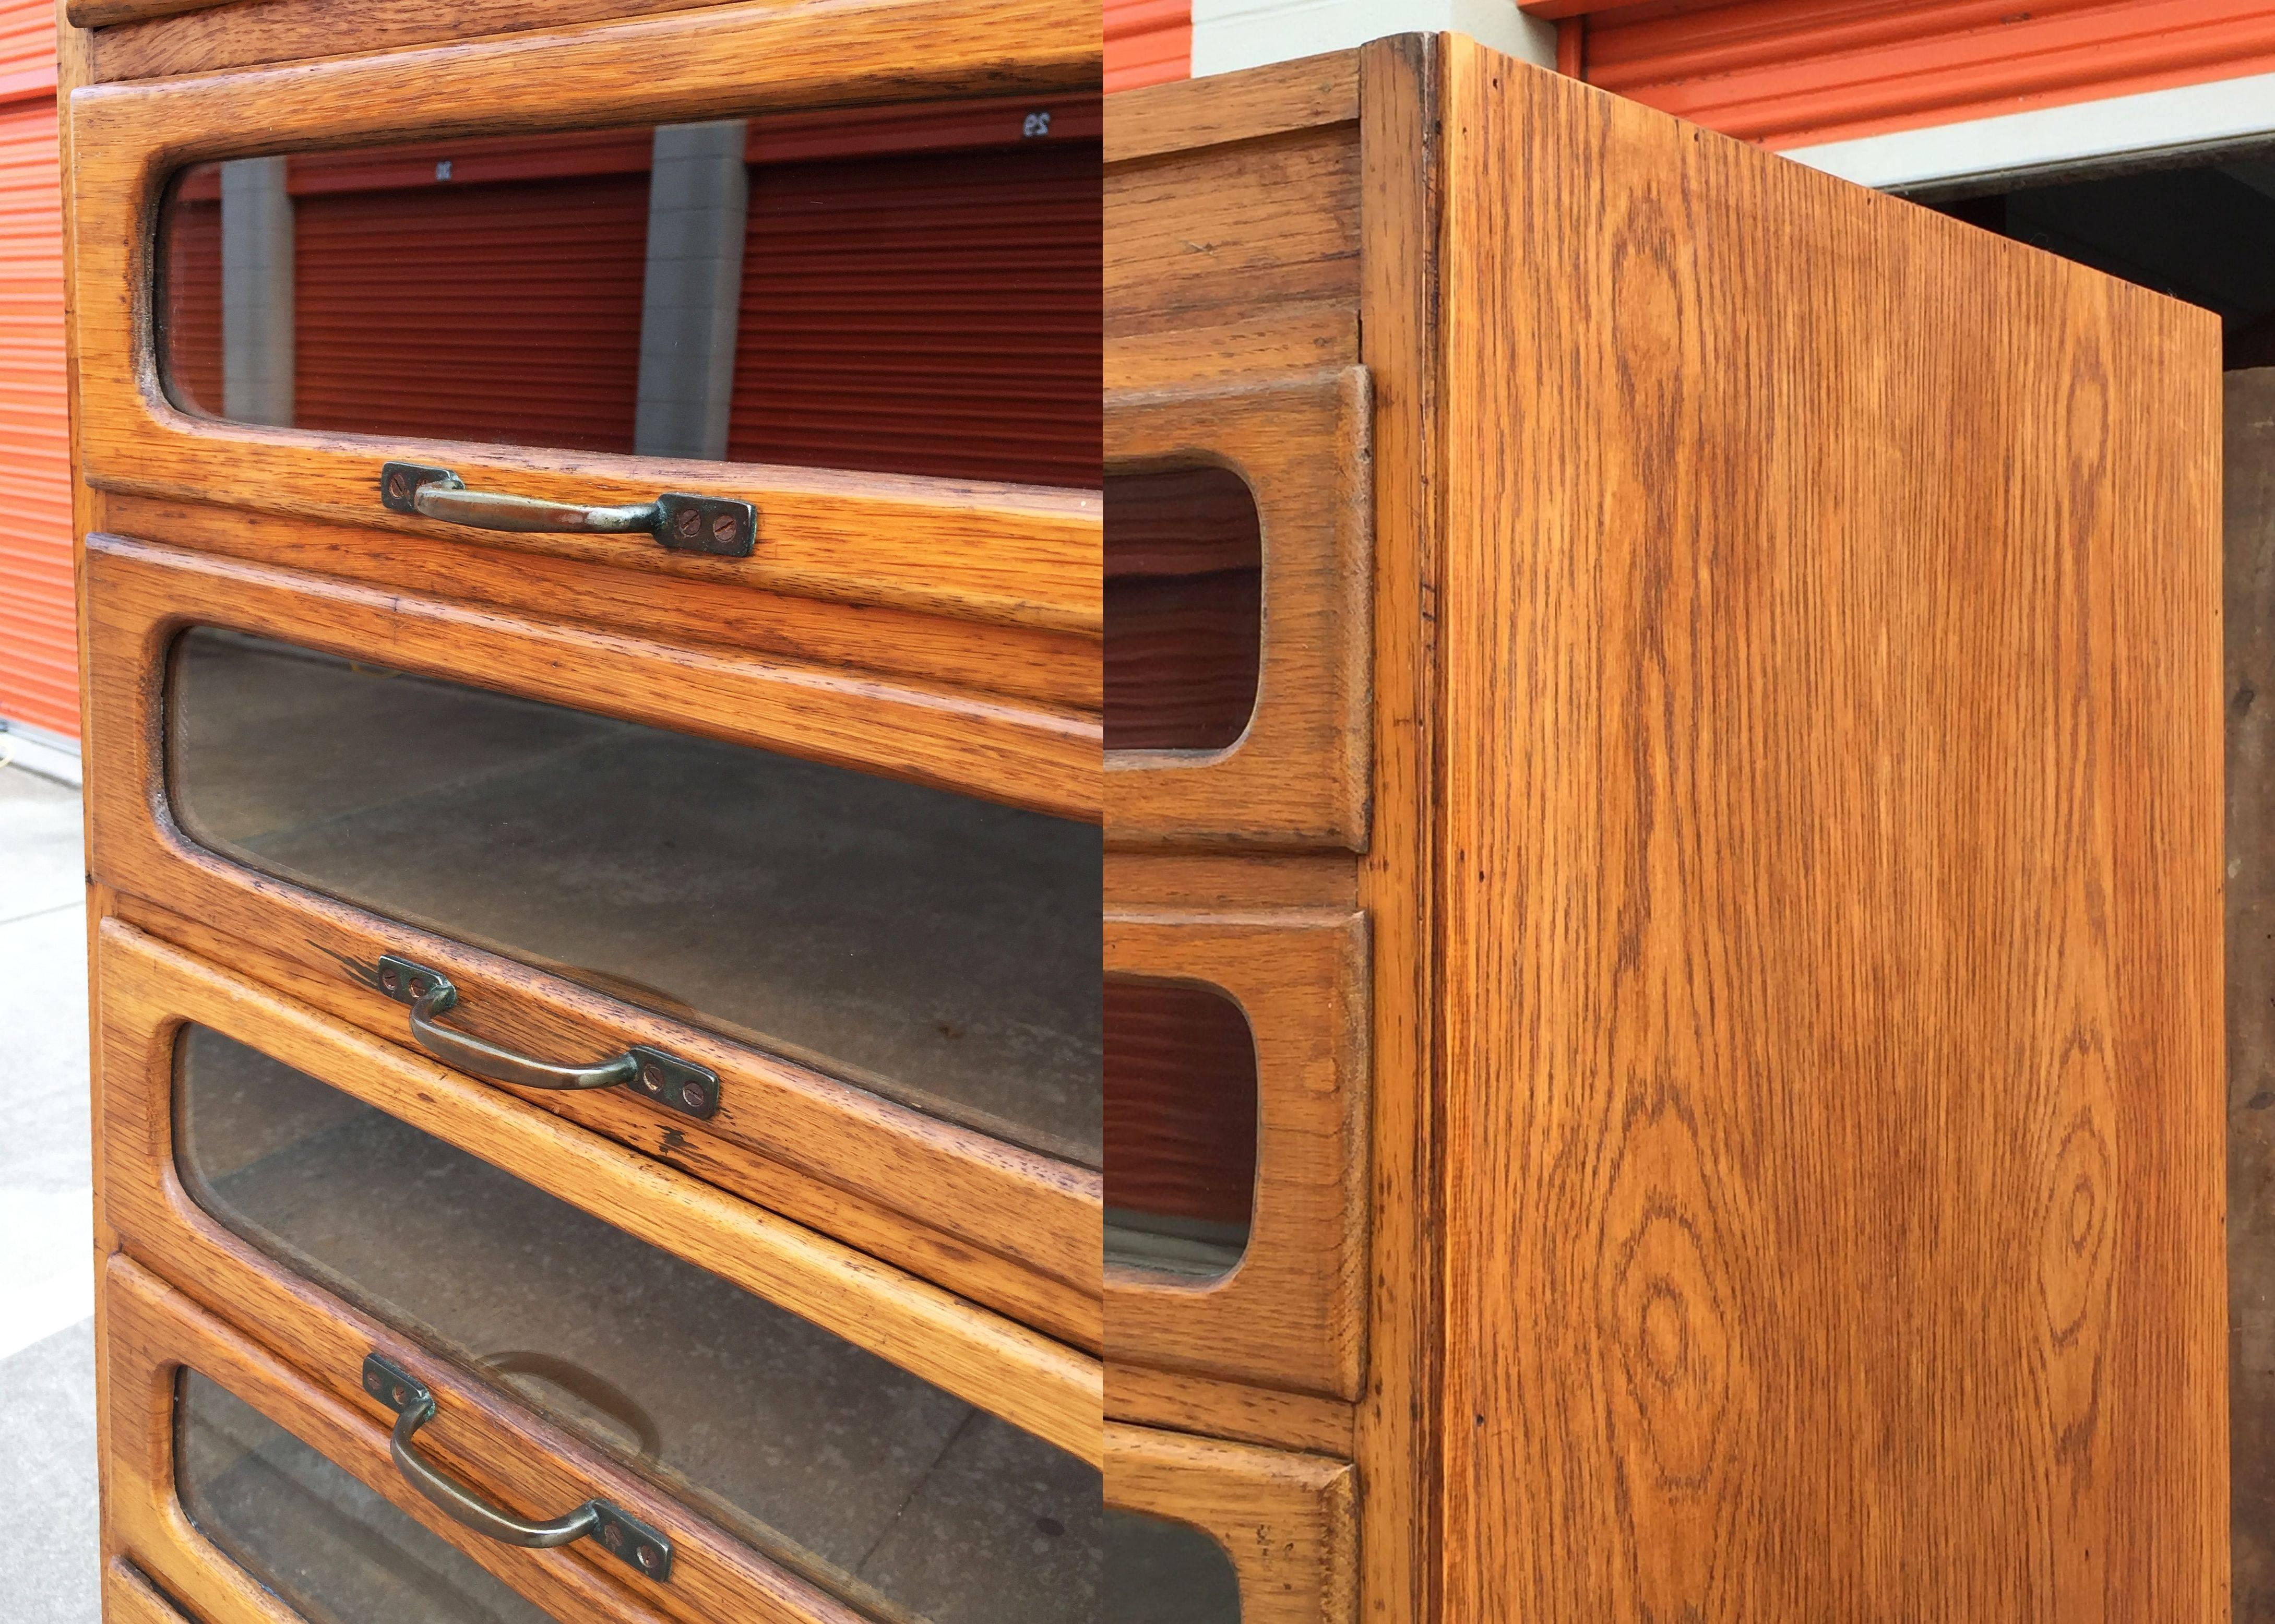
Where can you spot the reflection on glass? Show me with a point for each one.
(1166, 1573)
(904, 1501)
(937, 949)
(333, 1551)
(1181, 1111)
(913, 290)
(1184, 584)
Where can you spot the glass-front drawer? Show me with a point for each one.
(905, 1502)
(325, 1544)
(1160, 1572)
(932, 948)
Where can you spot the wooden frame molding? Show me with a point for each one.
(1001, 1205)
(150, 991)
(999, 554)
(1289, 1521)
(151, 1333)
(129, 1598)
(1298, 776)
(1292, 1313)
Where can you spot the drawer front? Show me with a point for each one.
(796, 1418)
(323, 376)
(1255, 1269)
(128, 1598)
(243, 1489)
(1203, 593)
(1204, 1532)
(689, 898)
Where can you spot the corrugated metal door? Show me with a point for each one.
(488, 290)
(39, 663)
(927, 311)
(1798, 72)
(1148, 42)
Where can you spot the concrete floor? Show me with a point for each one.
(46, 1293)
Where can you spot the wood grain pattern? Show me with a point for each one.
(985, 1197)
(1297, 776)
(997, 554)
(1188, 881)
(1829, 898)
(1184, 1402)
(1292, 1314)
(146, 38)
(1400, 1414)
(150, 989)
(128, 1598)
(1028, 755)
(1191, 114)
(153, 1333)
(1286, 1520)
(1058, 669)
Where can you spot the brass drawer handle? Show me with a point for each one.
(682, 1085)
(625, 1536)
(715, 525)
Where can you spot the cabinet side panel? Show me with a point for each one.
(1829, 878)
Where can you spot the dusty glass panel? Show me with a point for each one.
(906, 1502)
(336, 1552)
(1158, 1572)
(912, 290)
(940, 950)
(1181, 1117)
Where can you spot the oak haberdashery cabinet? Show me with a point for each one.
(590, 606)
(1663, 935)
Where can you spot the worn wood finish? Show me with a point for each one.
(153, 1333)
(1027, 755)
(1286, 1520)
(1041, 1214)
(1188, 881)
(1190, 115)
(1829, 898)
(1003, 555)
(1298, 776)
(1291, 1315)
(151, 989)
(128, 1598)
(1184, 1402)
(1059, 668)
(1400, 1413)
(1068, 1311)
(146, 38)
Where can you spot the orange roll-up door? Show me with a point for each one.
(39, 661)
(484, 289)
(922, 294)
(1148, 42)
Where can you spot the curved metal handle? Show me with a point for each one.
(681, 1085)
(626, 1537)
(715, 525)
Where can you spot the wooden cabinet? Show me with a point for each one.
(595, 944)
(1786, 819)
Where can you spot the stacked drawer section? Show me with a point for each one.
(598, 1029)
(1238, 732)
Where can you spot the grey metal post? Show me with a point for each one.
(256, 291)
(698, 197)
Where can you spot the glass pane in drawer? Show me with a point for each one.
(907, 1502)
(1158, 1572)
(334, 1552)
(909, 290)
(1181, 1111)
(938, 949)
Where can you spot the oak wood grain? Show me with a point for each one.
(1286, 1520)
(1292, 1314)
(148, 39)
(129, 1598)
(1297, 776)
(1182, 1402)
(1829, 905)
(1193, 114)
(1037, 1384)
(1057, 668)
(998, 554)
(1168, 878)
(153, 1333)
